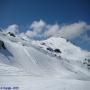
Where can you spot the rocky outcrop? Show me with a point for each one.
(2, 45)
(11, 34)
(57, 50)
(86, 62)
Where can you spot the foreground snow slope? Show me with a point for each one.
(39, 83)
(40, 69)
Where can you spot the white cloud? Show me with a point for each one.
(36, 28)
(12, 28)
(73, 30)
(40, 28)
(68, 31)
(52, 30)
(31, 34)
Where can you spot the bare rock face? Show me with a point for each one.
(57, 50)
(2, 45)
(11, 34)
(87, 63)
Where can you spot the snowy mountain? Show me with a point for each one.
(46, 65)
(65, 48)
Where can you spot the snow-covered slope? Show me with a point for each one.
(67, 49)
(52, 58)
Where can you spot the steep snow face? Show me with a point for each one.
(67, 49)
(29, 57)
(52, 64)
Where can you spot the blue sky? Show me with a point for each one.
(24, 12)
